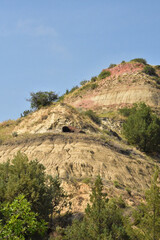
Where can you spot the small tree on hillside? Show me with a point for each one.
(42, 99)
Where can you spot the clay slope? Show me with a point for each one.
(126, 85)
(78, 158)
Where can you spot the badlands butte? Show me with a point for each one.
(73, 146)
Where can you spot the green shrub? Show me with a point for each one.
(104, 74)
(116, 184)
(25, 113)
(89, 86)
(94, 79)
(123, 62)
(92, 115)
(14, 134)
(73, 89)
(94, 85)
(149, 70)
(140, 60)
(142, 128)
(83, 82)
(112, 65)
(127, 111)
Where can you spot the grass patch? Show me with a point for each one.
(6, 129)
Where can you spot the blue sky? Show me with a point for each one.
(53, 45)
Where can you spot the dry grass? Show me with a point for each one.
(6, 129)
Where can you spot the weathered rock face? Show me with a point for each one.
(126, 85)
(53, 119)
(79, 157)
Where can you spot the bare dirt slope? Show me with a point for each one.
(78, 159)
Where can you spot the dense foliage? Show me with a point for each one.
(142, 128)
(140, 60)
(21, 176)
(104, 74)
(41, 99)
(18, 221)
(149, 70)
(147, 216)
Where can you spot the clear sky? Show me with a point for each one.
(52, 45)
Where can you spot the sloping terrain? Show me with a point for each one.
(79, 158)
(79, 155)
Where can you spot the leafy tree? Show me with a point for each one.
(104, 74)
(147, 216)
(21, 176)
(41, 99)
(102, 220)
(19, 221)
(142, 128)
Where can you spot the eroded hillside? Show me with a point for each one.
(77, 155)
(126, 85)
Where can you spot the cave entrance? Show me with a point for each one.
(66, 129)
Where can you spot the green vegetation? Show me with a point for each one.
(94, 79)
(140, 60)
(41, 99)
(92, 115)
(116, 184)
(127, 111)
(104, 74)
(149, 70)
(83, 82)
(21, 176)
(103, 219)
(73, 89)
(18, 221)
(25, 113)
(112, 65)
(142, 128)
(147, 216)
(89, 86)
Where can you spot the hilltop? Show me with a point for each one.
(126, 84)
(76, 148)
